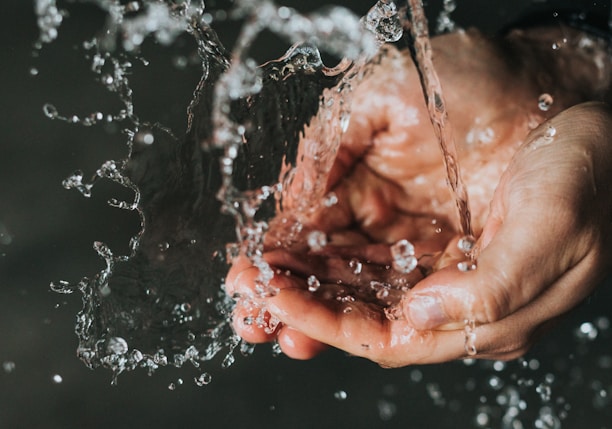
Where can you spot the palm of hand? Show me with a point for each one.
(391, 185)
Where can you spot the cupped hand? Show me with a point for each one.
(541, 247)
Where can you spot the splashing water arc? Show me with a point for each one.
(243, 125)
(161, 303)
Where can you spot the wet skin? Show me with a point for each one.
(539, 184)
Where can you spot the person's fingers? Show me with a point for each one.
(296, 345)
(543, 225)
(512, 336)
(363, 330)
(246, 323)
(240, 276)
(511, 271)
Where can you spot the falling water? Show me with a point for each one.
(422, 54)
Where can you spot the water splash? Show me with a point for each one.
(162, 303)
(444, 23)
(49, 19)
(384, 21)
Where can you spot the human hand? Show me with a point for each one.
(380, 201)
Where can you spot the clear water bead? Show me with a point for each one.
(383, 20)
(466, 244)
(50, 111)
(57, 379)
(203, 379)
(356, 266)
(317, 240)
(394, 313)
(404, 260)
(313, 283)
(586, 332)
(330, 199)
(466, 266)
(545, 101)
(340, 395)
(117, 345)
(386, 409)
(8, 366)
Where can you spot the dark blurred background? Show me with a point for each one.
(46, 234)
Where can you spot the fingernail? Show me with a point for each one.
(425, 312)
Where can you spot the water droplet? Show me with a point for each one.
(62, 287)
(394, 312)
(545, 392)
(586, 332)
(482, 419)
(416, 376)
(547, 419)
(386, 409)
(499, 365)
(382, 293)
(444, 21)
(330, 199)
(203, 379)
(33, 71)
(465, 266)
(50, 111)
(495, 382)
(545, 101)
(356, 266)
(117, 345)
(603, 323)
(8, 366)
(404, 260)
(340, 395)
(435, 393)
(533, 364)
(172, 386)
(466, 244)
(348, 309)
(345, 119)
(180, 62)
(57, 379)
(559, 44)
(317, 240)
(107, 79)
(383, 20)
(145, 138)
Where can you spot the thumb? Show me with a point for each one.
(511, 271)
(532, 237)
